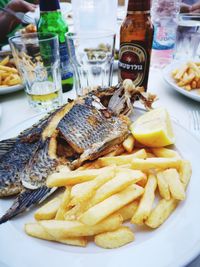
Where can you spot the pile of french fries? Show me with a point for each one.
(141, 186)
(188, 76)
(9, 75)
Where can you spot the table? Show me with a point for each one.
(15, 108)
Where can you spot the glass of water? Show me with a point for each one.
(92, 56)
(37, 58)
(187, 44)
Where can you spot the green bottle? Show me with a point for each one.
(51, 21)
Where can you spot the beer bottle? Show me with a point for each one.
(136, 35)
(51, 21)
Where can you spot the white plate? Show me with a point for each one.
(11, 89)
(169, 79)
(66, 8)
(174, 244)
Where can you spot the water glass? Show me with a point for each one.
(187, 44)
(37, 58)
(94, 15)
(92, 56)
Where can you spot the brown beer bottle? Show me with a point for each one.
(136, 35)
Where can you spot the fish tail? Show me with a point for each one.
(25, 200)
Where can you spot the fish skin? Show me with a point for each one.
(11, 165)
(89, 132)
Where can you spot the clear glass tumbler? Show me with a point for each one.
(187, 44)
(92, 56)
(37, 58)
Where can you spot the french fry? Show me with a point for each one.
(49, 210)
(122, 160)
(146, 202)
(114, 239)
(155, 163)
(180, 72)
(122, 179)
(36, 230)
(161, 212)
(86, 190)
(103, 209)
(127, 211)
(165, 153)
(193, 66)
(185, 172)
(128, 143)
(5, 61)
(65, 229)
(63, 205)
(8, 69)
(175, 186)
(74, 177)
(163, 186)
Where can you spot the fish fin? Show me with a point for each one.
(6, 145)
(25, 200)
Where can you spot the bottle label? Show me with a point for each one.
(132, 62)
(66, 71)
(164, 37)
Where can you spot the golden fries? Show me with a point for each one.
(8, 75)
(175, 186)
(114, 239)
(36, 230)
(63, 229)
(161, 212)
(128, 143)
(122, 160)
(188, 76)
(163, 186)
(49, 210)
(146, 202)
(103, 209)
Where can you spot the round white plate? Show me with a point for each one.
(66, 8)
(193, 94)
(11, 89)
(174, 244)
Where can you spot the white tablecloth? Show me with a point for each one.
(15, 108)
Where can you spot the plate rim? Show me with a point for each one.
(11, 89)
(167, 78)
(189, 257)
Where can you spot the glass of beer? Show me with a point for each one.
(187, 44)
(37, 58)
(92, 56)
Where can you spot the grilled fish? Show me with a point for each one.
(83, 129)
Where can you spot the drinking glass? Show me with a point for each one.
(187, 44)
(37, 58)
(92, 56)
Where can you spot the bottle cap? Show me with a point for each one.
(49, 5)
(139, 5)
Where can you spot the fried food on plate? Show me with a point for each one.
(188, 76)
(116, 188)
(8, 73)
(114, 239)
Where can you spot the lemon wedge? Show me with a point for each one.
(153, 129)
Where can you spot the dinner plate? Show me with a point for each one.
(193, 94)
(173, 244)
(10, 89)
(66, 8)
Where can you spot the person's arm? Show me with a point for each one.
(196, 7)
(7, 21)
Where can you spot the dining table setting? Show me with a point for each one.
(100, 135)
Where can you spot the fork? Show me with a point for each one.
(24, 18)
(194, 121)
